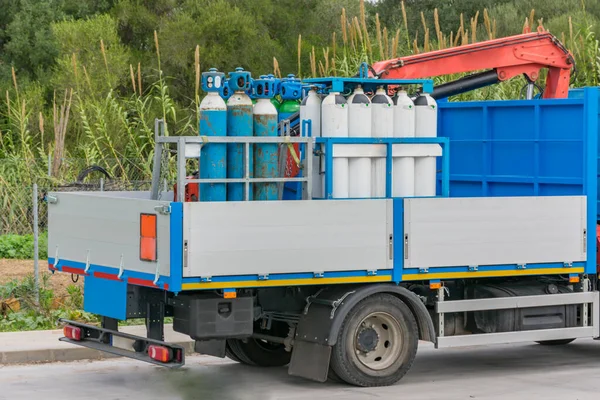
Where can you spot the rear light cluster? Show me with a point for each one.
(72, 332)
(160, 353)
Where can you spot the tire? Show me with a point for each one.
(230, 354)
(558, 342)
(377, 342)
(332, 376)
(258, 353)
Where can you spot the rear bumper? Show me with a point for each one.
(101, 339)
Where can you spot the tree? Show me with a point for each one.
(79, 44)
(30, 47)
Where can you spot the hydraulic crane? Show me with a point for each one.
(499, 59)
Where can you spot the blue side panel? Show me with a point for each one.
(105, 297)
(176, 245)
(398, 232)
(592, 155)
(526, 148)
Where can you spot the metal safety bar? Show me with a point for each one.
(585, 298)
(326, 145)
(190, 147)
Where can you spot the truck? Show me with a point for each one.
(418, 219)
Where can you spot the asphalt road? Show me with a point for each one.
(525, 371)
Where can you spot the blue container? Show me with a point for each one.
(239, 123)
(213, 122)
(266, 159)
(526, 148)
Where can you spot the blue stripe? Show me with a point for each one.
(111, 270)
(398, 230)
(176, 245)
(591, 177)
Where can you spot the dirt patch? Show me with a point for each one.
(19, 269)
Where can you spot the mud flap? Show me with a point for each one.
(96, 300)
(310, 361)
(214, 347)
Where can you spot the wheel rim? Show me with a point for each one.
(381, 353)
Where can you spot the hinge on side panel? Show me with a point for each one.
(263, 277)
(87, 262)
(567, 264)
(185, 254)
(56, 258)
(318, 275)
(157, 273)
(163, 209)
(423, 270)
(473, 268)
(521, 266)
(51, 199)
(121, 268)
(206, 279)
(372, 272)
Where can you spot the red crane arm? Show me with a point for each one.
(508, 57)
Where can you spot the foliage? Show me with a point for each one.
(45, 313)
(21, 246)
(82, 81)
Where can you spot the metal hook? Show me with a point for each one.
(120, 267)
(87, 262)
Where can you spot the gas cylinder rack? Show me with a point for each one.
(411, 137)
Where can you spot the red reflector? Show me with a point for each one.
(148, 237)
(72, 332)
(160, 353)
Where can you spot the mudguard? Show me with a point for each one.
(325, 312)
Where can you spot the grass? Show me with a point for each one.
(43, 314)
(21, 246)
(33, 315)
(111, 125)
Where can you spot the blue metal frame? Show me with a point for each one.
(369, 84)
(592, 152)
(330, 142)
(176, 245)
(398, 235)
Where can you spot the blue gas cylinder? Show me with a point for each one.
(213, 122)
(266, 155)
(239, 123)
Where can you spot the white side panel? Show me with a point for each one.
(287, 236)
(494, 230)
(108, 227)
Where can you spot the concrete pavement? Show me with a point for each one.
(507, 372)
(44, 346)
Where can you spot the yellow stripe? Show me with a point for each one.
(485, 274)
(376, 278)
(285, 282)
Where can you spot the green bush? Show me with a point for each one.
(44, 314)
(21, 246)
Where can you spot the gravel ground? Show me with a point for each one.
(19, 269)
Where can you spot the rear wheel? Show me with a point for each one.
(257, 352)
(558, 342)
(377, 342)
